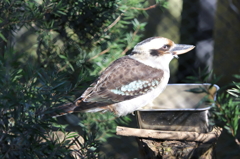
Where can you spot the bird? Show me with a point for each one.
(130, 82)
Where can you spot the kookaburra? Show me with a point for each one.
(132, 81)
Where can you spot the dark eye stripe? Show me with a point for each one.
(155, 52)
(160, 51)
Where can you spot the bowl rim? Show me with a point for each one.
(187, 109)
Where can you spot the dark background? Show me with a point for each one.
(213, 26)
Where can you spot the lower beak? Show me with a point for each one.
(181, 49)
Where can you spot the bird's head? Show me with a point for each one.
(158, 51)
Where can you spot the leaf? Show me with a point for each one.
(62, 57)
(61, 12)
(236, 76)
(196, 90)
(1, 36)
(42, 79)
(72, 135)
(215, 80)
(60, 84)
(234, 92)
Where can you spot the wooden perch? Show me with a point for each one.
(170, 135)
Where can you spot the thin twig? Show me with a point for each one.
(119, 17)
(127, 48)
(101, 53)
(114, 23)
(150, 7)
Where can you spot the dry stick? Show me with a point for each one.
(111, 25)
(169, 135)
(125, 51)
(101, 53)
(119, 17)
(127, 48)
(150, 7)
(114, 23)
(105, 51)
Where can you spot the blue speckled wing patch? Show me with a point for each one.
(136, 88)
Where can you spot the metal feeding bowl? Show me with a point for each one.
(180, 107)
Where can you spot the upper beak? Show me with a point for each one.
(181, 49)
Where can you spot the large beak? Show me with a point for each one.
(181, 49)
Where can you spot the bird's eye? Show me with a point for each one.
(165, 47)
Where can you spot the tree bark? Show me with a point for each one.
(156, 144)
(170, 135)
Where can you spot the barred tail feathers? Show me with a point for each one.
(64, 109)
(80, 106)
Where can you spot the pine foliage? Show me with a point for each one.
(50, 51)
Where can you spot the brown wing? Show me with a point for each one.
(124, 79)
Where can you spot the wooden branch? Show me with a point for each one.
(119, 17)
(150, 7)
(170, 135)
(133, 35)
(114, 23)
(101, 53)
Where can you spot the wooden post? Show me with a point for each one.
(156, 144)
